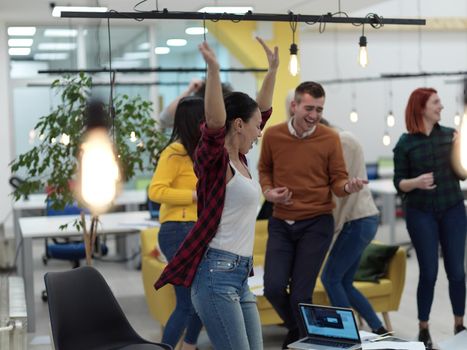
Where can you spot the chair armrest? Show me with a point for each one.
(396, 274)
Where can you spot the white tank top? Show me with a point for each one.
(236, 229)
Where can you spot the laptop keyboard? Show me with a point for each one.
(328, 343)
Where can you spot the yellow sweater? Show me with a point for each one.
(173, 184)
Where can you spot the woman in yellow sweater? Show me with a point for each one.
(174, 186)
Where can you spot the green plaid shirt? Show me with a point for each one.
(417, 154)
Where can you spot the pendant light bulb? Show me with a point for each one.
(386, 139)
(362, 52)
(390, 120)
(353, 116)
(294, 67)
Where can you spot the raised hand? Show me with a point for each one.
(208, 55)
(272, 56)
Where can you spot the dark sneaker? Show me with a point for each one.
(291, 337)
(459, 328)
(380, 330)
(424, 336)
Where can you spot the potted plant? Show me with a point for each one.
(52, 163)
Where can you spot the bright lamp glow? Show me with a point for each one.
(196, 30)
(386, 139)
(226, 9)
(457, 119)
(390, 120)
(176, 42)
(294, 66)
(57, 11)
(21, 31)
(362, 52)
(50, 56)
(353, 116)
(99, 172)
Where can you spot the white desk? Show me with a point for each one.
(387, 191)
(48, 227)
(131, 199)
(38, 201)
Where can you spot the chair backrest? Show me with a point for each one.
(84, 313)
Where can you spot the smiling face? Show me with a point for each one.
(307, 111)
(249, 131)
(432, 111)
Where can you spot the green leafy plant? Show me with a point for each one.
(52, 163)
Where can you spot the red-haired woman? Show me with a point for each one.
(435, 212)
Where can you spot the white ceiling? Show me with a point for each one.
(39, 11)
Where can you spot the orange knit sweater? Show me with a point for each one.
(311, 168)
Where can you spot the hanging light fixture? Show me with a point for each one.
(353, 116)
(294, 66)
(362, 52)
(386, 139)
(390, 120)
(98, 170)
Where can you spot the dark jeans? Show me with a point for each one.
(171, 235)
(294, 255)
(342, 264)
(427, 230)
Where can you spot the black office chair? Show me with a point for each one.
(84, 314)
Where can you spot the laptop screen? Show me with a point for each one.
(329, 322)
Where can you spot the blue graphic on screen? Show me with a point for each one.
(330, 323)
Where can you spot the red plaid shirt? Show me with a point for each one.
(210, 164)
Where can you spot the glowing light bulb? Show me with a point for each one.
(294, 66)
(133, 137)
(353, 116)
(386, 139)
(457, 119)
(390, 120)
(362, 52)
(99, 172)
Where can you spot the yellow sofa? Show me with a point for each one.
(385, 296)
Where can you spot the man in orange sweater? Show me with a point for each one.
(301, 165)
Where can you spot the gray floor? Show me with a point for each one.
(127, 286)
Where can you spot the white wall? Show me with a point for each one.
(333, 55)
(5, 127)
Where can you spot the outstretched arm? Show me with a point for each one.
(168, 113)
(214, 108)
(265, 94)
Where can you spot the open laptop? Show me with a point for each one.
(328, 328)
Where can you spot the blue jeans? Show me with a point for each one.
(427, 230)
(342, 264)
(224, 302)
(294, 255)
(171, 235)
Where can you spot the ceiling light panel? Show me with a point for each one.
(226, 9)
(61, 33)
(196, 30)
(57, 46)
(162, 50)
(176, 42)
(50, 56)
(57, 10)
(21, 31)
(19, 51)
(20, 42)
